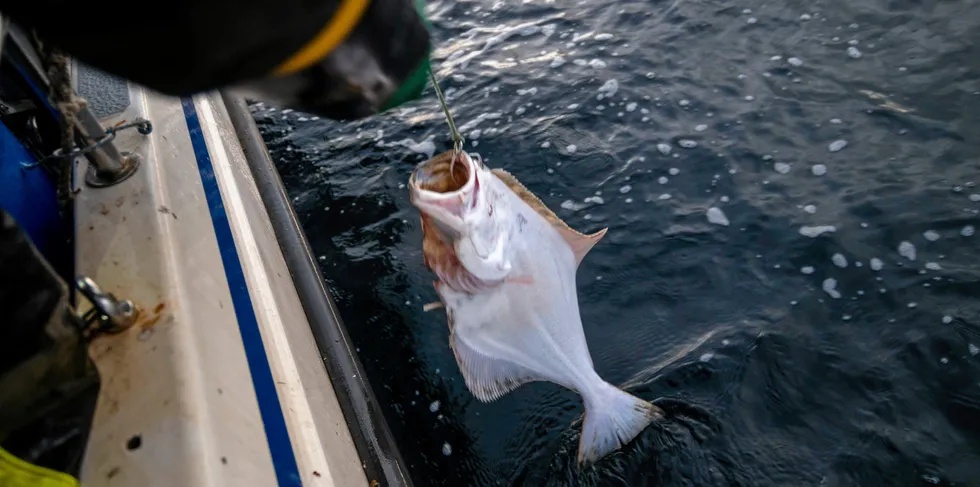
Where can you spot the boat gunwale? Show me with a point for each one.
(372, 437)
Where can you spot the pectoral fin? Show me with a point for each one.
(580, 243)
(433, 305)
(486, 377)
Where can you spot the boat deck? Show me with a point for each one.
(220, 382)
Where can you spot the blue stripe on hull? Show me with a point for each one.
(283, 459)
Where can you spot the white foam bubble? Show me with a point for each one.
(811, 209)
(609, 88)
(625, 189)
(665, 196)
(967, 231)
(839, 260)
(853, 52)
(447, 449)
(807, 269)
(425, 147)
(479, 119)
(664, 148)
(830, 287)
(434, 406)
(819, 169)
(837, 145)
(795, 61)
(876, 264)
(557, 62)
(836, 121)
(706, 356)
(673, 171)
(603, 37)
(700, 128)
(931, 235)
(933, 266)
(781, 167)
(687, 143)
(716, 216)
(528, 91)
(571, 148)
(571, 205)
(973, 349)
(597, 63)
(817, 230)
(907, 250)
(595, 199)
(631, 106)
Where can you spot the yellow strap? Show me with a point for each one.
(339, 27)
(15, 472)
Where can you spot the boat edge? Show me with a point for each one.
(369, 429)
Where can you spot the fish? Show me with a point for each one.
(506, 268)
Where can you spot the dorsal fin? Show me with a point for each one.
(580, 243)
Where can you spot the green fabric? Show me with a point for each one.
(414, 85)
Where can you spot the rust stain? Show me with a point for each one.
(119, 201)
(103, 210)
(150, 322)
(316, 474)
(112, 472)
(374, 483)
(146, 321)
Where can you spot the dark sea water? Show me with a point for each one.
(782, 357)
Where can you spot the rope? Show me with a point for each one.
(142, 126)
(56, 64)
(457, 137)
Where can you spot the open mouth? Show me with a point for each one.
(445, 174)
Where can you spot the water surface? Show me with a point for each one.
(791, 269)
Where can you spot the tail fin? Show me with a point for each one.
(612, 419)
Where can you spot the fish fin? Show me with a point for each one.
(486, 377)
(520, 280)
(612, 419)
(580, 242)
(433, 305)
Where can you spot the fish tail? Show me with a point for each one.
(612, 418)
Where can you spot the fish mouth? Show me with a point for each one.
(447, 174)
(445, 188)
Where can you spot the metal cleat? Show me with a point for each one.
(108, 314)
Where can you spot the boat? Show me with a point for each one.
(165, 321)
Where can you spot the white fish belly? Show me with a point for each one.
(519, 332)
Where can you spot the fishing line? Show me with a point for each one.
(456, 136)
